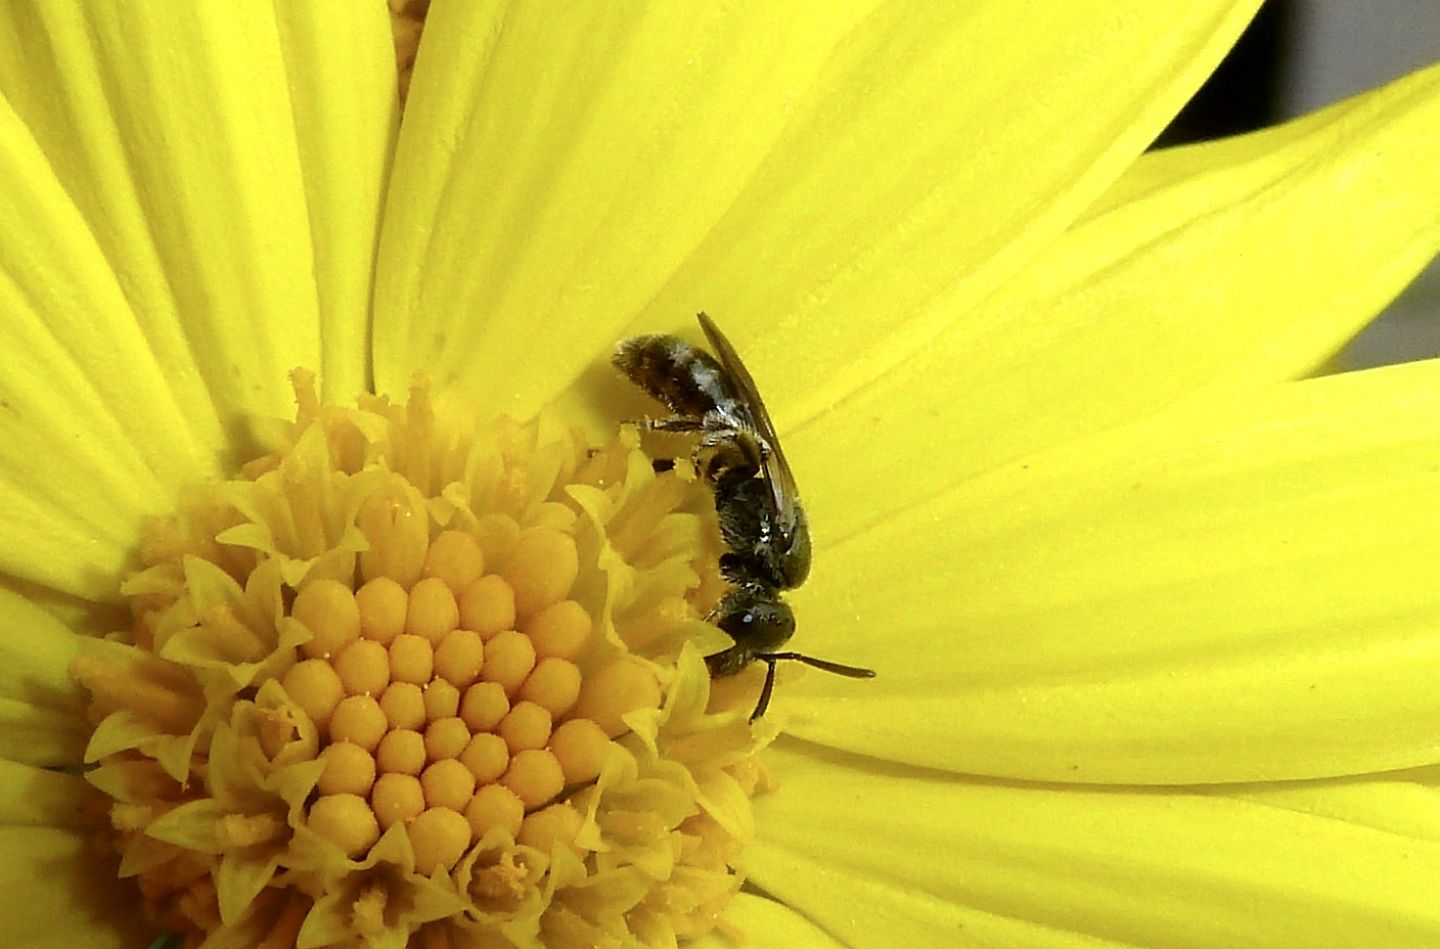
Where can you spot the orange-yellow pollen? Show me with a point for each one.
(368, 911)
(435, 710)
(238, 830)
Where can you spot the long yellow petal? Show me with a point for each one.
(170, 128)
(765, 922)
(569, 206)
(61, 264)
(835, 162)
(59, 896)
(1207, 268)
(90, 434)
(340, 64)
(41, 708)
(1235, 590)
(892, 856)
(155, 259)
(35, 797)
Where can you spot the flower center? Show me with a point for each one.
(416, 677)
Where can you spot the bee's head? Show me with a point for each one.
(756, 619)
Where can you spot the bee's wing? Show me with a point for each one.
(781, 481)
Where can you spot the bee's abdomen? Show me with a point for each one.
(684, 377)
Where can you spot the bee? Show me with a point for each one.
(762, 525)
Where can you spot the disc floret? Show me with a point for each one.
(412, 677)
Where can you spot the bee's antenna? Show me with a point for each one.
(852, 672)
(770, 658)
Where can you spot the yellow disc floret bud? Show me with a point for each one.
(346, 821)
(327, 608)
(383, 604)
(455, 557)
(488, 606)
(438, 837)
(541, 568)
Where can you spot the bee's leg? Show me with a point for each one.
(676, 423)
(662, 465)
(720, 439)
(721, 606)
(765, 691)
(724, 455)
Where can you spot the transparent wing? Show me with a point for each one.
(784, 495)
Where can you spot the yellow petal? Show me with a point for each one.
(885, 855)
(171, 130)
(937, 153)
(65, 310)
(1289, 240)
(59, 896)
(90, 433)
(1208, 268)
(41, 707)
(839, 160)
(58, 268)
(340, 64)
(570, 206)
(1406, 803)
(1235, 590)
(765, 922)
(36, 797)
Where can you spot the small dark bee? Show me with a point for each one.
(762, 524)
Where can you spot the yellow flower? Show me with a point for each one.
(1154, 625)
